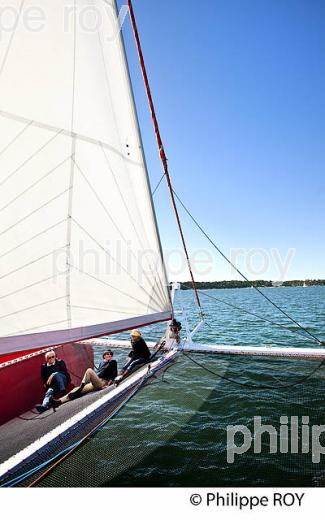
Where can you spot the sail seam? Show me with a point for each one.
(39, 282)
(4, 61)
(130, 219)
(34, 211)
(72, 171)
(68, 133)
(32, 238)
(38, 327)
(112, 257)
(31, 263)
(111, 286)
(83, 307)
(20, 133)
(29, 158)
(69, 234)
(31, 186)
(111, 220)
(32, 307)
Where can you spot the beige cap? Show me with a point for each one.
(136, 333)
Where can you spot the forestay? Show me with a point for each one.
(80, 254)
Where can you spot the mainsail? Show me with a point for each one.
(80, 254)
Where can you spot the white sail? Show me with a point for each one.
(80, 253)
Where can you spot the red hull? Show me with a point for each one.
(20, 381)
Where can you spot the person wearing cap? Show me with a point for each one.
(139, 355)
(104, 376)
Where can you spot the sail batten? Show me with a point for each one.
(80, 253)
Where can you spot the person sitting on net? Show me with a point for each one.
(91, 381)
(139, 355)
(56, 379)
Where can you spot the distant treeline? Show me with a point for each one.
(237, 284)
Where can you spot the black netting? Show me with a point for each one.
(66, 440)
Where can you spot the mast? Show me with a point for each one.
(161, 149)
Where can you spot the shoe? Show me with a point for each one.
(117, 380)
(40, 408)
(76, 392)
(55, 403)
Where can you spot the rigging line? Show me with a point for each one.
(110, 286)
(156, 188)
(15, 138)
(39, 282)
(256, 316)
(32, 238)
(4, 61)
(34, 211)
(31, 262)
(107, 213)
(82, 307)
(31, 186)
(161, 148)
(68, 451)
(32, 307)
(110, 256)
(29, 158)
(161, 290)
(320, 342)
(257, 387)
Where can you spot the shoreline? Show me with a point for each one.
(235, 284)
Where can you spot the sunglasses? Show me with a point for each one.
(50, 357)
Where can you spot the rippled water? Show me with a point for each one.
(174, 432)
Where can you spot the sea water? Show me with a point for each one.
(180, 429)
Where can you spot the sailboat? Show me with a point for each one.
(81, 256)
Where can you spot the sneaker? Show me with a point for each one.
(40, 408)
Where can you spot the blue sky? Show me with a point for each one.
(239, 88)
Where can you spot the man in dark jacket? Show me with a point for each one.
(139, 355)
(107, 369)
(55, 377)
(104, 376)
